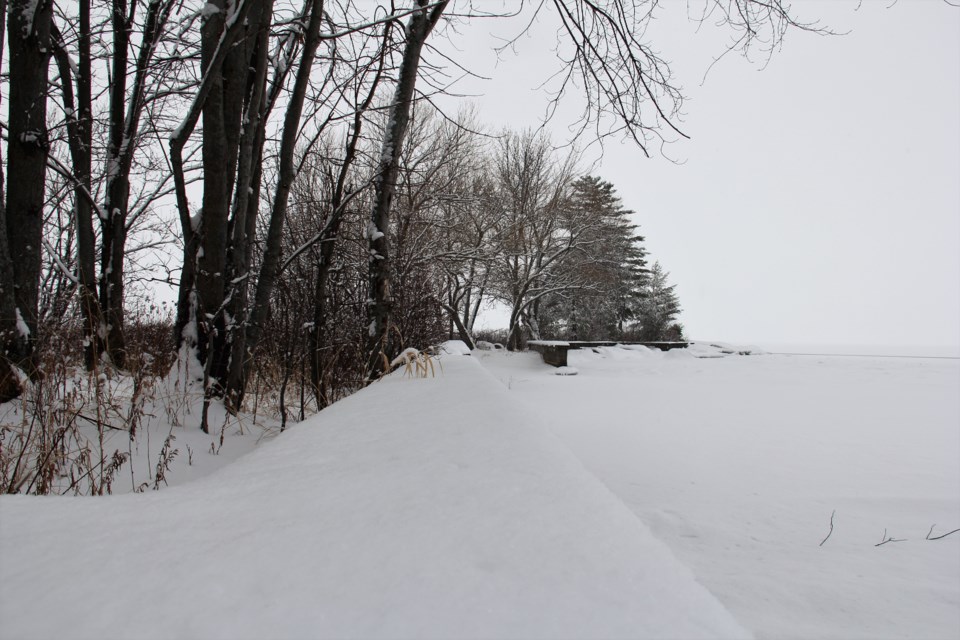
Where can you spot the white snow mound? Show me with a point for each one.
(423, 508)
(455, 348)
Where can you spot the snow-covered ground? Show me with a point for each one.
(652, 495)
(433, 507)
(738, 463)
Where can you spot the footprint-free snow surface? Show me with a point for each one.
(418, 508)
(744, 465)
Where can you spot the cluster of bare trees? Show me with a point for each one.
(479, 219)
(276, 161)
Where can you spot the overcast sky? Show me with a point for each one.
(818, 199)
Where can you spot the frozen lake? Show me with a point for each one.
(738, 464)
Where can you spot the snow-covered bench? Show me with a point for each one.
(554, 352)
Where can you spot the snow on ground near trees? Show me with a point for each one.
(461, 506)
(437, 507)
(737, 464)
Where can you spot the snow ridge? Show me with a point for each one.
(434, 507)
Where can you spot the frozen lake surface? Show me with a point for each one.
(738, 464)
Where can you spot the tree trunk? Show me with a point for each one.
(462, 331)
(30, 48)
(125, 111)
(514, 338)
(212, 254)
(80, 141)
(217, 44)
(9, 381)
(380, 303)
(270, 267)
(112, 223)
(245, 209)
(10, 338)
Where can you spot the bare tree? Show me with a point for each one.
(537, 230)
(78, 107)
(29, 45)
(270, 266)
(11, 341)
(628, 91)
(236, 98)
(103, 311)
(468, 248)
(341, 196)
(421, 23)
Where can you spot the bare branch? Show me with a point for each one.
(929, 537)
(887, 539)
(829, 533)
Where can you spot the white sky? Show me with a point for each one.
(819, 198)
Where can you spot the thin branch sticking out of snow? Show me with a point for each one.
(938, 537)
(829, 533)
(887, 539)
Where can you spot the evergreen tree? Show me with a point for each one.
(611, 267)
(659, 308)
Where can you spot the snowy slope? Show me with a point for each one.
(738, 463)
(416, 508)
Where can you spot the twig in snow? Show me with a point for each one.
(938, 537)
(887, 539)
(829, 533)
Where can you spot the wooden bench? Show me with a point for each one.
(554, 352)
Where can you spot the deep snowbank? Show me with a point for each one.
(417, 508)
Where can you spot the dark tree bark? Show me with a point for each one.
(79, 112)
(380, 345)
(198, 291)
(112, 223)
(270, 267)
(27, 149)
(103, 312)
(457, 321)
(9, 337)
(245, 208)
(212, 258)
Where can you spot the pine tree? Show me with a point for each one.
(611, 268)
(659, 308)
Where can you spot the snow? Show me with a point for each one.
(677, 494)
(22, 327)
(27, 17)
(406, 356)
(455, 348)
(737, 463)
(467, 520)
(373, 233)
(208, 10)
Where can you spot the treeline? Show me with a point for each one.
(276, 162)
(478, 219)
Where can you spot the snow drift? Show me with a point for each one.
(435, 507)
